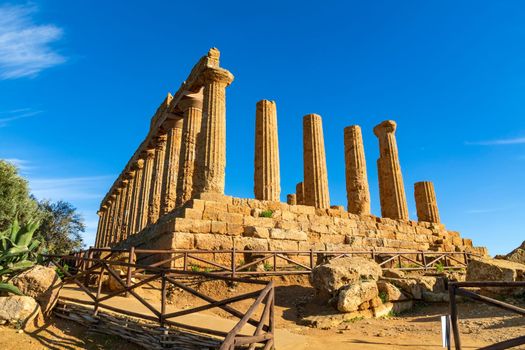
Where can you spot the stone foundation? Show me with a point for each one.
(222, 222)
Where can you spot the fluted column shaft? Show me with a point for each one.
(116, 212)
(109, 221)
(122, 210)
(128, 203)
(156, 179)
(188, 160)
(299, 193)
(267, 183)
(145, 190)
(100, 214)
(315, 173)
(212, 156)
(171, 167)
(391, 188)
(134, 208)
(357, 191)
(426, 203)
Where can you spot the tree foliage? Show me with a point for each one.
(15, 201)
(60, 224)
(60, 227)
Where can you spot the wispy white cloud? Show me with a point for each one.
(15, 114)
(510, 141)
(25, 47)
(21, 164)
(485, 211)
(71, 188)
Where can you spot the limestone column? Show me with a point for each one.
(145, 190)
(100, 214)
(299, 193)
(426, 203)
(130, 176)
(391, 188)
(291, 199)
(156, 179)
(211, 161)
(115, 221)
(267, 183)
(191, 127)
(171, 167)
(357, 191)
(134, 208)
(122, 209)
(315, 172)
(109, 220)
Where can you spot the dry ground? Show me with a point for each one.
(418, 329)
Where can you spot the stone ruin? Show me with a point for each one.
(171, 192)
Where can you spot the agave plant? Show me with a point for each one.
(18, 252)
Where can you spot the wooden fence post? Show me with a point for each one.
(131, 260)
(454, 315)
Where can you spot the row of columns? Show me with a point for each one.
(313, 190)
(187, 157)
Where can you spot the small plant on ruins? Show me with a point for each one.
(195, 268)
(384, 297)
(266, 214)
(355, 319)
(267, 267)
(18, 252)
(440, 268)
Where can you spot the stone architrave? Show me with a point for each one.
(426, 203)
(145, 190)
(391, 188)
(171, 166)
(134, 208)
(267, 183)
(315, 173)
(357, 191)
(192, 109)
(211, 159)
(291, 199)
(156, 179)
(299, 193)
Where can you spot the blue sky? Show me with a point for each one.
(79, 81)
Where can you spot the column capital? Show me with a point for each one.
(189, 101)
(149, 153)
(123, 183)
(130, 174)
(114, 196)
(160, 141)
(139, 164)
(218, 75)
(386, 127)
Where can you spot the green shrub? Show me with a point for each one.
(266, 214)
(440, 268)
(384, 297)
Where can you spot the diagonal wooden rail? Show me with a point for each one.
(458, 288)
(92, 264)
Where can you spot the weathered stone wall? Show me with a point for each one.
(226, 221)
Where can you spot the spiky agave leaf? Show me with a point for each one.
(6, 287)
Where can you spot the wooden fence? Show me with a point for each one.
(458, 288)
(86, 266)
(237, 263)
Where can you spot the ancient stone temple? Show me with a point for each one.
(171, 194)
